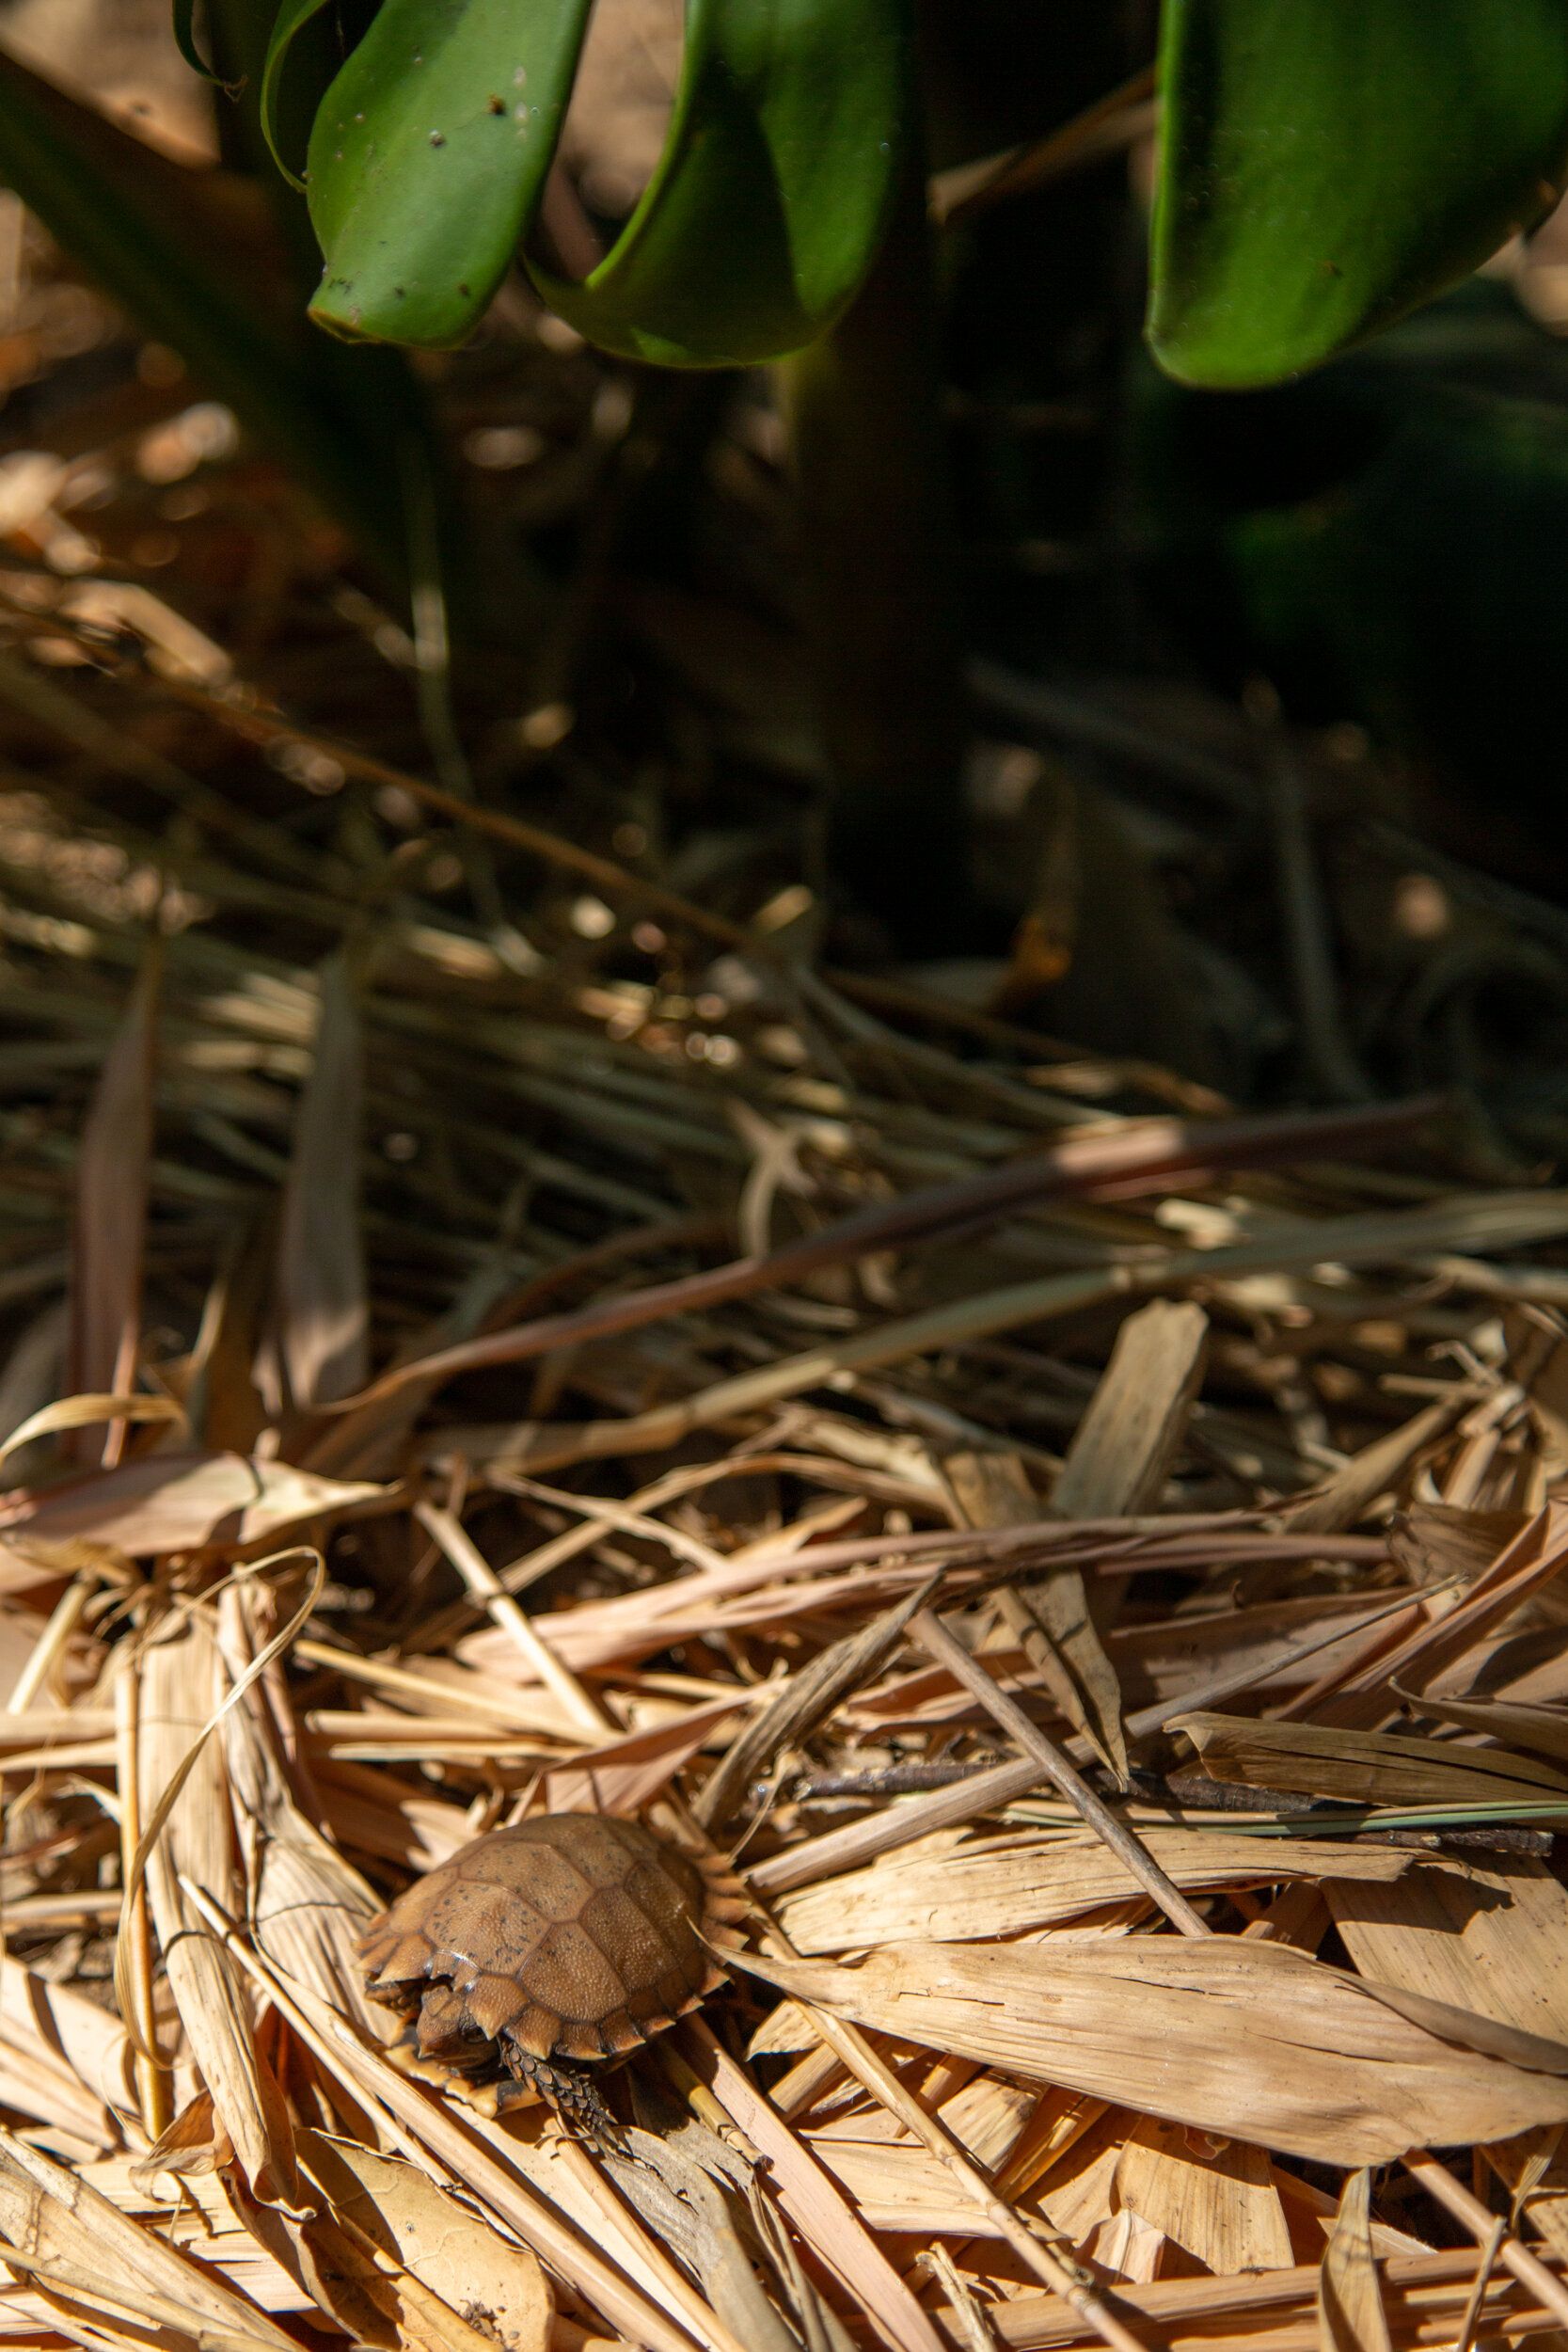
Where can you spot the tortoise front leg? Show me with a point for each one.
(568, 2089)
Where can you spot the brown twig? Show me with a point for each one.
(488, 1590)
(1111, 122)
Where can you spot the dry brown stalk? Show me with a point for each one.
(48, 1649)
(1142, 1156)
(153, 2079)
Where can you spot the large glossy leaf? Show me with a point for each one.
(428, 159)
(430, 151)
(1329, 164)
(769, 203)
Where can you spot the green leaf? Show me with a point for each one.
(185, 34)
(430, 153)
(428, 159)
(292, 17)
(1325, 168)
(771, 199)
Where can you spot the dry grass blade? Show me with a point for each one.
(1365, 1767)
(134, 1942)
(809, 1696)
(994, 1887)
(64, 2062)
(1049, 1616)
(181, 1503)
(84, 1412)
(1351, 2316)
(323, 1325)
(112, 1179)
(305, 1902)
(1524, 1566)
(192, 1836)
(1115, 1467)
(1543, 1730)
(1134, 1421)
(1486, 1940)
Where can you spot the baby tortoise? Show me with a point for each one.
(548, 1949)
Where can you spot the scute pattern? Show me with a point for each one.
(571, 1935)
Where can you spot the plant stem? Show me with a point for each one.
(878, 561)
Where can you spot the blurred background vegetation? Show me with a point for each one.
(1216, 728)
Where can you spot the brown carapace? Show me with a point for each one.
(546, 1949)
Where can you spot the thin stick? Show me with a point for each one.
(1113, 120)
(968, 2312)
(153, 2089)
(1307, 931)
(380, 1676)
(487, 1588)
(51, 1642)
(1526, 2267)
(938, 1643)
(1489, 2253)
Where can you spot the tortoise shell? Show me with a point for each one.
(573, 1935)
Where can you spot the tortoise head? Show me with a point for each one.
(447, 2034)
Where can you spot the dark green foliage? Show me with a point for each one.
(1326, 167)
